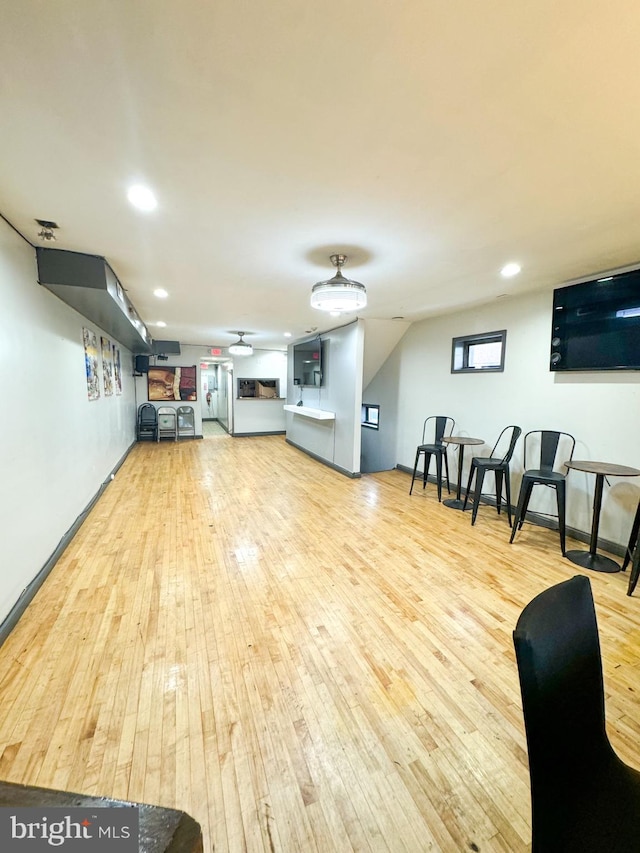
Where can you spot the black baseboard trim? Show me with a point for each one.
(29, 592)
(250, 434)
(351, 474)
(536, 518)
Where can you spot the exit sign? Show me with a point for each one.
(216, 351)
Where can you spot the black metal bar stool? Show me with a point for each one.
(543, 446)
(632, 554)
(435, 428)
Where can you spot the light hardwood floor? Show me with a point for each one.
(301, 661)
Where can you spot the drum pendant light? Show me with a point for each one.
(241, 347)
(338, 293)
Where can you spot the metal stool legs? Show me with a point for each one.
(632, 554)
(523, 503)
(427, 462)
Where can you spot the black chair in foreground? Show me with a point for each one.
(498, 462)
(584, 799)
(548, 449)
(147, 426)
(434, 429)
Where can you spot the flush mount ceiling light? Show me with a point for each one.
(241, 347)
(338, 293)
(142, 197)
(509, 270)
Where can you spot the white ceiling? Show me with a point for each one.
(432, 141)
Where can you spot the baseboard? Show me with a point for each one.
(352, 474)
(249, 434)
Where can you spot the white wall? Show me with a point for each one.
(57, 446)
(252, 416)
(602, 410)
(337, 442)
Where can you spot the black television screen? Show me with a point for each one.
(596, 324)
(307, 363)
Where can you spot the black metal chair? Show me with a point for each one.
(147, 424)
(584, 799)
(499, 464)
(435, 428)
(632, 553)
(550, 450)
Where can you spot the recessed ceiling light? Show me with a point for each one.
(509, 270)
(161, 323)
(287, 334)
(142, 197)
(160, 293)
(334, 313)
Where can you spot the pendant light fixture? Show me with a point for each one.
(241, 347)
(338, 293)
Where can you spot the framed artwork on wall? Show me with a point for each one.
(171, 383)
(117, 370)
(91, 363)
(107, 366)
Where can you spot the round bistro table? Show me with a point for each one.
(590, 559)
(462, 441)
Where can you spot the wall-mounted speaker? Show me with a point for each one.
(142, 364)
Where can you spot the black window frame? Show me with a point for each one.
(365, 420)
(463, 344)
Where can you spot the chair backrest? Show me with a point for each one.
(186, 420)
(186, 415)
(436, 427)
(147, 414)
(547, 450)
(560, 668)
(506, 443)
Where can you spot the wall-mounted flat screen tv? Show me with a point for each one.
(308, 361)
(596, 324)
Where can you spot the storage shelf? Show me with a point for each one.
(317, 414)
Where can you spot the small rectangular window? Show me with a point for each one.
(479, 353)
(370, 415)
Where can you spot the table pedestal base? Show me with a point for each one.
(595, 562)
(453, 503)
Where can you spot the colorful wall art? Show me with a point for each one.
(172, 383)
(107, 366)
(91, 363)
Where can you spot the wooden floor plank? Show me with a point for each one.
(300, 660)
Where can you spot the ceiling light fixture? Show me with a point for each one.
(160, 293)
(142, 197)
(510, 270)
(241, 347)
(338, 293)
